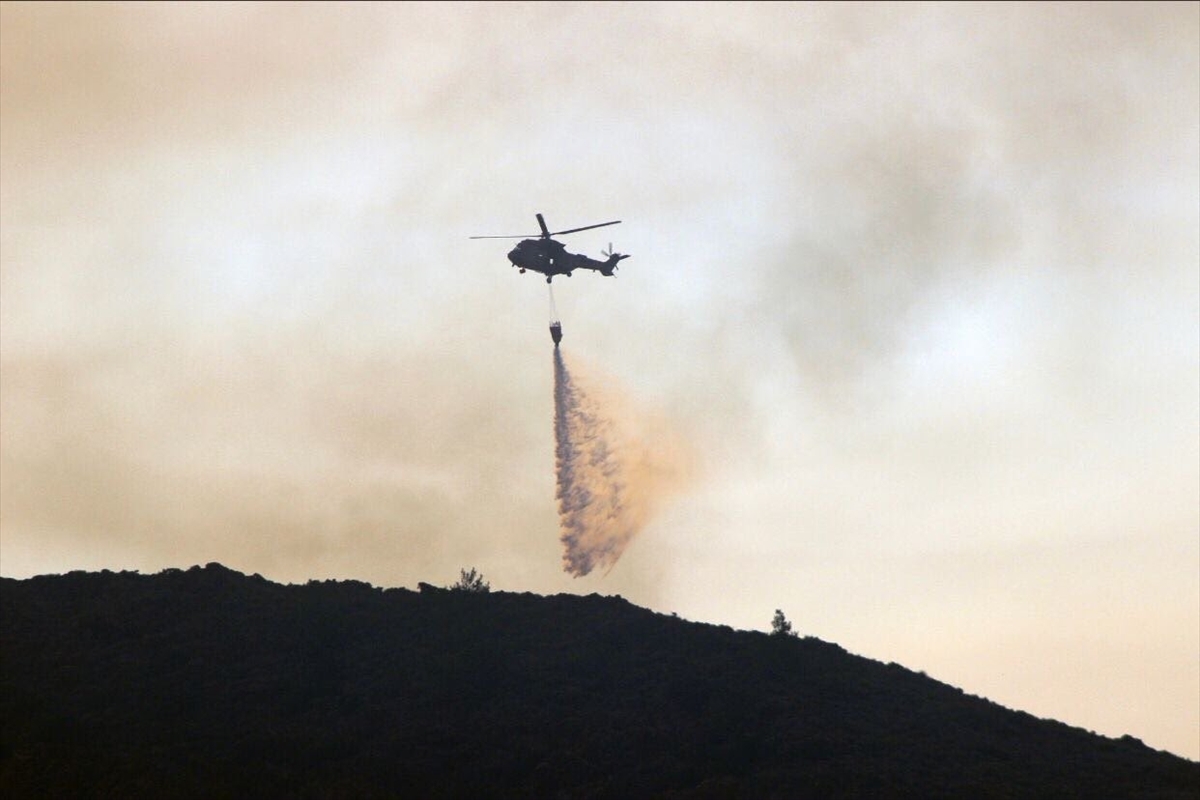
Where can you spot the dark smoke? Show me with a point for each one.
(609, 482)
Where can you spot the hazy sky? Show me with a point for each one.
(919, 286)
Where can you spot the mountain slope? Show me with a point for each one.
(210, 683)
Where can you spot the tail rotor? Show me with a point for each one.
(609, 254)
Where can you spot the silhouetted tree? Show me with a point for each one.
(471, 582)
(780, 625)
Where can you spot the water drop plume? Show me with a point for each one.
(614, 469)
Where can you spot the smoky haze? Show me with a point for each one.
(918, 281)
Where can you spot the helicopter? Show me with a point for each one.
(543, 254)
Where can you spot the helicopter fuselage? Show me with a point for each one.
(551, 258)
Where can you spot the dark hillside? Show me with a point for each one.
(209, 683)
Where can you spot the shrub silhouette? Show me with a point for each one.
(471, 582)
(780, 625)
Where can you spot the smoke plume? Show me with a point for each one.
(612, 477)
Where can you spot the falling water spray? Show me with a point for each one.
(610, 480)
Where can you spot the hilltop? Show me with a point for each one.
(210, 683)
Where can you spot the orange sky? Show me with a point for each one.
(919, 284)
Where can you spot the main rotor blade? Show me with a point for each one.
(586, 227)
(527, 236)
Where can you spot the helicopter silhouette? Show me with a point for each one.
(543, 254)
